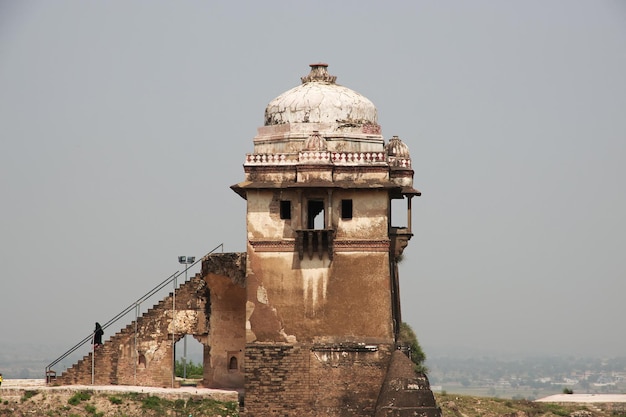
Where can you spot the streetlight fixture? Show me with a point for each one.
(185, 260)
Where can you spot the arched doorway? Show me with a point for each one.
(189, 360)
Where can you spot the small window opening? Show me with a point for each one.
(285, 209)
(142, 360)
(346, 209)
(232, 363)
(315, 218)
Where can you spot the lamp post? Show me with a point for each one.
(185, 260)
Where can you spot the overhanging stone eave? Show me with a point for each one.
(241, 187)
(410, 191)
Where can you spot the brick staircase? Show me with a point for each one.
(141, 352)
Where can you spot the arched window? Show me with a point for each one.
(232, 363)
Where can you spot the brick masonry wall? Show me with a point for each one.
(313, 380)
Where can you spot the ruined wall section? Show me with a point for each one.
(224, 354)
(209, 307)
(405, 393)
(141, 353)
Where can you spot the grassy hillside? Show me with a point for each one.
(88, 404)
(468, 406)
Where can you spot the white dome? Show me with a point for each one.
(397, 148)
(320, 100)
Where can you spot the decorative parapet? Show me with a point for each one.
(348, 158)
(336, 158)
(315, 157)
(400, 162)
(271, 159)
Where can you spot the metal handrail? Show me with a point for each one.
(127, 310)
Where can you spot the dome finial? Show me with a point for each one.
(319, 74)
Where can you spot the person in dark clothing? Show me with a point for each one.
(97, 336)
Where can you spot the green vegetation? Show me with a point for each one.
(194, 371)
(91, 409)
(152, 403)
(408, 338)
(115, 400)
(145, 405)
(79, 397)
(568, 390)
(124, 404)
(28, 394)
(207, 407)
(557, 409)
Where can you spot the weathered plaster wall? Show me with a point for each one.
(227, 335)
(289, 138)
(225, 275)
(263, 216)
(369, 217)
(313, 299)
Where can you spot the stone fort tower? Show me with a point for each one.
(322, 306)
(305, 323)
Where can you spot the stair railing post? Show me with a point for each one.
(174, 331)
(136, 353)
(93, 360)
(187, 261)
(185, 336)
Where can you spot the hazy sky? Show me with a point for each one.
(124, 123)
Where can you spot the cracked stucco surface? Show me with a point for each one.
(317, 102)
